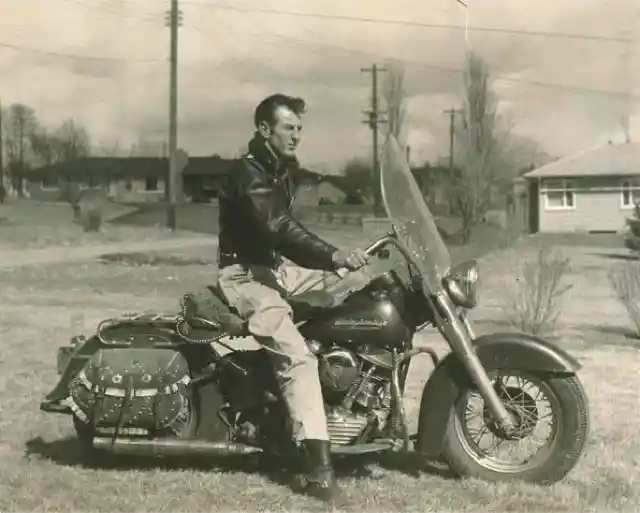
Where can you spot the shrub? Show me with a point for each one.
(536, 303)
(632, 237)
(91, 217)
(625, 281)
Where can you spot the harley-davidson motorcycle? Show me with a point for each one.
(159, 384)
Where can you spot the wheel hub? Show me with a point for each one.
(523, 411)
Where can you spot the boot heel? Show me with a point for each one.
(319, 479)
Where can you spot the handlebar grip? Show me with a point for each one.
(373, 248)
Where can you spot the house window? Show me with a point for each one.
(559, 195)
(50, 182)
(630, 192)
(128, 186)
(151, 184)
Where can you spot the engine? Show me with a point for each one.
(357, 394)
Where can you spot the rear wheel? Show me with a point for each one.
(535, 401)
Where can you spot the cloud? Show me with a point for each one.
(229, 60)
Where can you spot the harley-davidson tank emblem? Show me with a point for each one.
(360, 323)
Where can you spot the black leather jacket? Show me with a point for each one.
(256, 225)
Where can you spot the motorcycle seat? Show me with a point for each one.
(308, 304)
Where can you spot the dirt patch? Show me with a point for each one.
(153, 259)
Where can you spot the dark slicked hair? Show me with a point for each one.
(266, 109)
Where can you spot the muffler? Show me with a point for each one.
(172, 447)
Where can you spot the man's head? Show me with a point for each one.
(277, 119)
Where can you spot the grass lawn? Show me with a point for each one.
(27, 224)
(42, 468)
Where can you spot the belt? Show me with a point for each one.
(226, 259)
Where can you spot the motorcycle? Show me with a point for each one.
(158, 384)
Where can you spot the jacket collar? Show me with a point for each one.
(260, 150)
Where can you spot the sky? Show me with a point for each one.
(104, 63)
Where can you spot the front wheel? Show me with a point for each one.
(535, 401)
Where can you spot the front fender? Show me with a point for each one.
(513, 351)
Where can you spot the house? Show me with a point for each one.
(142, 179)
(203, 177)
(124, 179)
(127, 179)
(593, 191)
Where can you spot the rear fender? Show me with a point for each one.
(514, 351)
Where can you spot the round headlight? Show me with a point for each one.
(461, 284)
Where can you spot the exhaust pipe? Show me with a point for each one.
(172, 447)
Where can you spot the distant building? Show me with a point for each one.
(592, 191)
(127, 179)
(143, 179)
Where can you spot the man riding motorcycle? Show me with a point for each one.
(257, 233)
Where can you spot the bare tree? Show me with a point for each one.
(113, 149)
(44, 146)
(73, 140)
(70, 141)
(19, 122)
(394, 96)
(148, 147)
(73, 143)
(479, 163)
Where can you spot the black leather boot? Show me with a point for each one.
(319, 479)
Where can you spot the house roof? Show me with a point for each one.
(103, 167)
(130, 167)
(141, 167)
(610, 160)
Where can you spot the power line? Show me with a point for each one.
(417, 64)
(296, 42)
(73, 55)
(444, 26)
(579, 89)
(150, 18)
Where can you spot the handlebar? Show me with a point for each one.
(372, 249)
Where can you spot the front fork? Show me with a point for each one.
(457, 329)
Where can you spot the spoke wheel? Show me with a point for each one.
(551, 427)
(534, 410)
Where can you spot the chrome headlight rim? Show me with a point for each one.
(461, 284)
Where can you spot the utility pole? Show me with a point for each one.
(174, 20)
(374, 121)
(1, 150)
(452, 124)
(628, 54)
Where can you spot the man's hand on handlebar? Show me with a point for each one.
(351, 259)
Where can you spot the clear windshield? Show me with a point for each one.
(411, 218)
(414, 225)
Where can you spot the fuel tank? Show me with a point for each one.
(373, 316)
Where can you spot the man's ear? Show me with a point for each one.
(264, 129)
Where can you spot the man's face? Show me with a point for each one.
(284, 134)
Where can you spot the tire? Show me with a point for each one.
(570, 405)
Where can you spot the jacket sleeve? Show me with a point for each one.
(279, 229)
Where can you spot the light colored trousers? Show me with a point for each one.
(257, 294)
